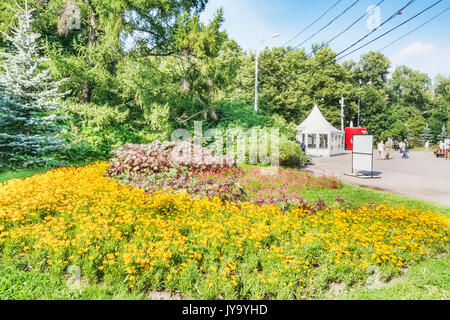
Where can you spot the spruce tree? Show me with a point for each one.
(443, 135)
(427, 135)
(28, 100)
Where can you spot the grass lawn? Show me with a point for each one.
(359, 195)
(16, 284)
(426, 279)
(19, 174)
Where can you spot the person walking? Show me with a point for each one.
(303, 147)
(405, 150)
(442, 146)
(381, 150)
(427, 146)
(400, 146)
(389, 147)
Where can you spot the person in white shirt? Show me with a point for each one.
(441, 146)
(427, 146)
(381, 149)
(401, 146)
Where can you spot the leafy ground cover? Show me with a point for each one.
(357, 196)
(19, 174)
(169, 166)
(204, 248)
(18, 284)
(428, 279)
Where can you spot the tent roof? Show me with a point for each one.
(316, 123)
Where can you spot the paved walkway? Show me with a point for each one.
(423, 176)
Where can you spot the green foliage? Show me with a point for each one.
(427, 280)
(157, 118)
(18, 284)
(374, 113)
(444, 134)
(427, 135)
(372, 69)
(410, 87)
(239, 113)
(139, 69)
(96, 129)
(416, 125)
(291, 153)
(290, 93)
(28, 101)
(19, 174)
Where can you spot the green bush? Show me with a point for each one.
(291, 153)
(239, 114)
(95, 130)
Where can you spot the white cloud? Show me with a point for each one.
(243, 22)
(428, 58)
(417, 49)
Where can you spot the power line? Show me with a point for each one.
(341, 33)
(361, 39)
(314, 22)
(415, 29)
(389, 31)
(375, 29)
(364, 37)
(292, 49)
(326, 26)
(384, 34)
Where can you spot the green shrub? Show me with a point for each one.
(239, 114)
(291, 153)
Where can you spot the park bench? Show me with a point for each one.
(440, 154)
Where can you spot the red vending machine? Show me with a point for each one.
(349, 133)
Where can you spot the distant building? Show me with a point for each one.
(320, 137)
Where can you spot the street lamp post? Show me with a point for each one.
(256, 72)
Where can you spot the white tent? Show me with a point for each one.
(320, 137)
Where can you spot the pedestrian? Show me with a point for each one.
(381, 150)
(405, 150)
(303, 147)
(396, 145)
(427, 146)
(441, 146)
(389, 147)
(400, 146)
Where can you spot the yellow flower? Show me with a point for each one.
(94, 216)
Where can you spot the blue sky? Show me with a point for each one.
(427, 50)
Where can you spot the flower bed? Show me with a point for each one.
(174, 166)
(205, 248)
(284, 186)
(159, 157)
(168, 166)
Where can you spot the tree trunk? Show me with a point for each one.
(87, 88)
(93, 27)
(86, 94)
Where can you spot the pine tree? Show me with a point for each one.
(427, 135)
(443, 135)
(28, 100)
